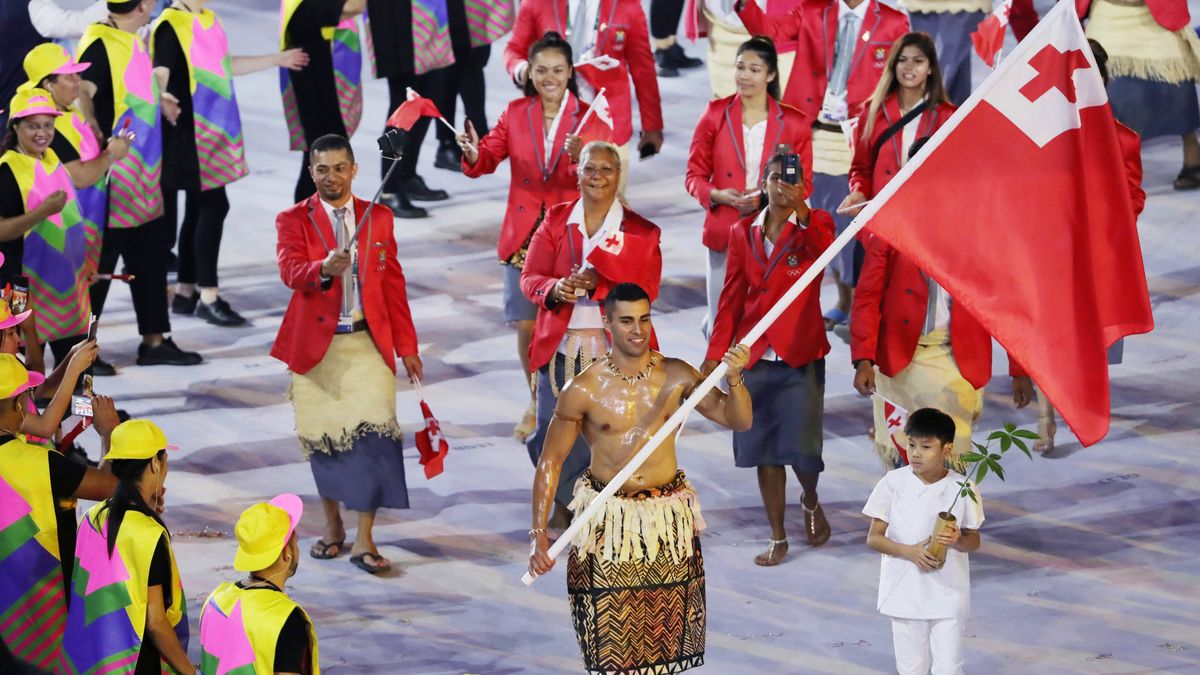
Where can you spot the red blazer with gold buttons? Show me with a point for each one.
(305, 236)
(537, 182)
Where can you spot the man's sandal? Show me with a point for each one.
(320, 550)
(360, 561)
(768, 559)
(816, 526)
(1188, 178)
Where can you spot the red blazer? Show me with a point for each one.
(717, 159)
(1131, 149)
(622, 34)
(554, 251)
(304, 232)
(1172, 15)
(888, 313)
(754, 283)
(869, 178)
(813, 25)
(536, 181)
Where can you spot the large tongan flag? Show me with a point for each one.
(1019, 207)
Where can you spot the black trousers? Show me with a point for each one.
(466, 81)
(204, 215)
(430, 85)
(144, 249)
(317, 106)
(664, 18)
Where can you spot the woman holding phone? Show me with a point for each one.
(732, 141)
(768, 252)
(537, 134)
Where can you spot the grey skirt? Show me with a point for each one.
(788, 407)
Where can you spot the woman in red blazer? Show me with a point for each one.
(733, 140)
(786, 373)
(568, 279)
(881, 143)
(537, 135)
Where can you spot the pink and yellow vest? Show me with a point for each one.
(239, 631)
(134, 186)
(217, 122)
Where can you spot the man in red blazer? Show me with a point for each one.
(615, 33)
(347, 321)
(930, 352)
(581, 250)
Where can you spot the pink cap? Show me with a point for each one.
(295, 509)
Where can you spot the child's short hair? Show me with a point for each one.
(930, 423)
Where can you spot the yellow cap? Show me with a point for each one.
(263, 530)
(48, 59)
(14, 379)
(137, 439)
(32, 102)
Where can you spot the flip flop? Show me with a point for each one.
(360, 561)
(835, 317)
(320, 550)
(1188, 178)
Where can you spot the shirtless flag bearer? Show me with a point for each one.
(635, 576)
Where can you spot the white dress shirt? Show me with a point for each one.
(356, 312)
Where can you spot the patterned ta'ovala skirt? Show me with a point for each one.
(635, 579)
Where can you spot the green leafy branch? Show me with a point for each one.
(984, 459)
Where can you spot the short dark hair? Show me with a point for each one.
(930, 423)
(551, 40)
(331, 142)
(123, 7)
(624, 292)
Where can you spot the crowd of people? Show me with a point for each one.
(815, 107)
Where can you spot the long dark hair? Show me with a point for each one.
(552, 40)
(10, 135)
(935, 88)
(765, 48)
(128, 498)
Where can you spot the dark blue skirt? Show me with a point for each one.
(367, 477)
(788, 407)
(1154, 109)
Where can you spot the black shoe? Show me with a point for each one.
(184, 304)
(102, 368)
(448, 157)
(166, 354)
(674, 57)
(401, 207)
(415, 189)
(219, 313)
(663, 71)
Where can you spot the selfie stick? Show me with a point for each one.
(389, 141)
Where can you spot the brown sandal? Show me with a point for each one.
(816, 526)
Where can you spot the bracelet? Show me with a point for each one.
(735, 384)
(536, 531)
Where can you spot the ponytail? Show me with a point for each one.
(128, 498)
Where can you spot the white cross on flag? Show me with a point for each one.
(1019, 206)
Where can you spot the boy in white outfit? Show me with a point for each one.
(927, 604)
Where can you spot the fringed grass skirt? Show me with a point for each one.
(635, 579)
(346, 420)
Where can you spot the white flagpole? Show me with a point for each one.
(588, 114)
(707, 385)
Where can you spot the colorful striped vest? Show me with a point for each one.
(56, 249)
(218, 125)
(106, 621)
(239, 630)
(33, 606)
(134, 187)
(93, 199)
(347, 73)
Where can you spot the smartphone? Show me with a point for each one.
(18, 300)
(791, 169)
(81, 398)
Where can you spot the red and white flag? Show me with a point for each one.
(431, 444)
(413, 109)
(597, 124)
(619, 256)
(896, 417)
(1019, 207)
(988, 38)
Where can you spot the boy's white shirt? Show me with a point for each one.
(910, 508)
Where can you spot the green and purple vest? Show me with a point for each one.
(218, 125)
(347, 74)
(134, 185)
(106, 621)
(56, 249)
(33, 607)
(93, 199)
